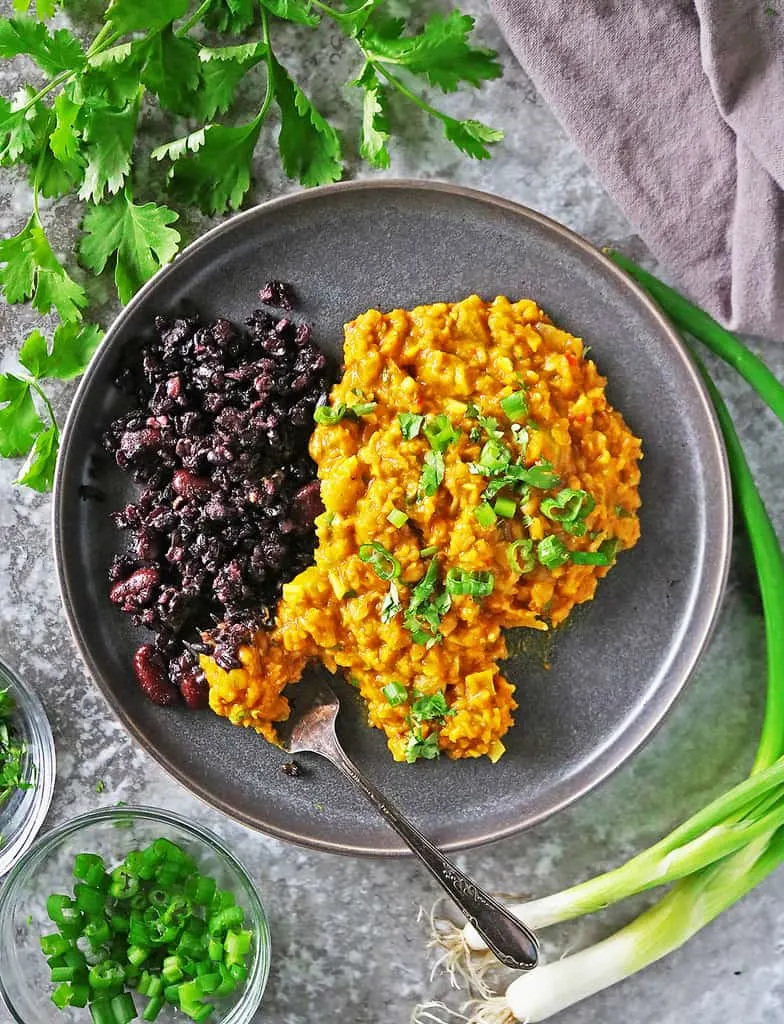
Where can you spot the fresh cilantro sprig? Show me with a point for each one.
(12, 752)
(28, 427)
(82, 128)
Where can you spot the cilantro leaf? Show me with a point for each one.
(43, 8)
(109, 135)
(52, 52)
(21, 131)
(63, 140)
(432, 474)
(144, 15)
(309, 146)
(111, 78)
(429, 708)
(375, 123)
(72, 347)
(418, 746)
(38, 470)
(138, 237)
(231, 15)
(221, 72)
(441, 52)
(299, 11)
(212, 166)
(470, 136)
(172, 71)
(33, 271)
(19, 421)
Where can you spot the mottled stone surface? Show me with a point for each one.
(347, 943)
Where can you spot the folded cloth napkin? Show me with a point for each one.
(678, 107)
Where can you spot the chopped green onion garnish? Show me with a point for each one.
(395, 693)
(505, 507)
(330, 415)
(515, 405)
(552, 552)
(604, 556)
(397, 518)
(385, 565)
(440, 433)
(485, 515)
(520, 555)
(410, 424)
(427, 552)
(475, 584)
(568, 505)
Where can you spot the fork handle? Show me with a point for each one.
(513, 943)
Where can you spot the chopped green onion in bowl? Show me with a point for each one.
(156, 919)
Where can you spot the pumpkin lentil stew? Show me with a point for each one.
(474, 478)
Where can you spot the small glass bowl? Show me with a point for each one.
(22, 815)
(46, 868)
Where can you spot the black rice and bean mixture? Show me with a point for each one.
(218, 442)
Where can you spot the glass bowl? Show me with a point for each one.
(46, 868)
(22, 815)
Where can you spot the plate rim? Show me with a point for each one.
(719, 515)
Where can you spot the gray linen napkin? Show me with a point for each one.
(678, 107)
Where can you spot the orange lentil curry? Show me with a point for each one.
(474, 478)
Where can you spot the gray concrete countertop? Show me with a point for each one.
(347, 945)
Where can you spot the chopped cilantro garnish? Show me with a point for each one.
(391, 605)
(12, 751)
(395, 693)
(410, 424)
(430, 707)
(422, 747)
(432, 474)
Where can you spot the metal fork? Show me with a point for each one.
(312, 729)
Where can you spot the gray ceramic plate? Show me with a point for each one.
(615, 671)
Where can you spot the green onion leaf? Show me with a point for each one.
(475, 584)
(410, 424)
(505, 507)
(440, 433)
(427, 552)
(397, 518)
(330, 415)
(385, 565)
(515, 405)
(520, 555)
(485, 515)
(395, 693)
(604, 556)
(552, 552)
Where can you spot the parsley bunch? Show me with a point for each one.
(78, 130)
